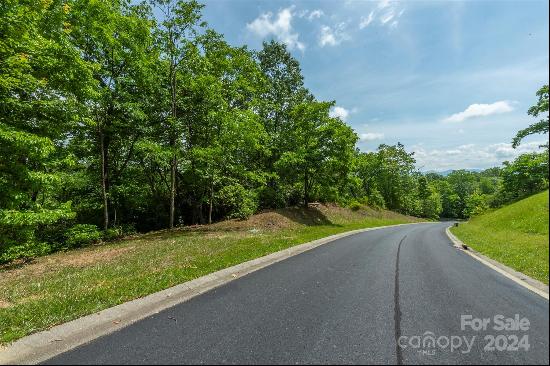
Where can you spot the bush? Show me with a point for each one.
(376, 199)
(432, 206)
(113, 233)
(476, 204)
(28, 233)
(81, 235)
(10, 251)
(355, 206)
(526, 175)
(239, 202)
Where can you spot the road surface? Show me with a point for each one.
(368, 298)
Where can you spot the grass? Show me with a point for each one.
(58, 288)
(515, 235)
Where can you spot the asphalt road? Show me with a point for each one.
(351, 301)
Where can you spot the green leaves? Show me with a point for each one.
(541, 126)
(38, 216)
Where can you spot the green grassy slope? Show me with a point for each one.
(515, 235)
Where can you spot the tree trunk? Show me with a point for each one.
(104, 181)
(173, 146)
(173, 191)
(306, 189)
(210, 203)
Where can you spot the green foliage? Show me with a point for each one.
(376, 199)
(542, 126)
(113, 233)
(238, 202)
(82, 235)
(42, 81)
(475, 204)
(432, 205)
(524, 176)
(388, 178)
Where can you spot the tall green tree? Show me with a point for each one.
(284, 92)
(226, 140)
(176, 33)
(116, 38)
(540, 109)
(322, 149)
(393, 172)
(43, 83)
(526, 175)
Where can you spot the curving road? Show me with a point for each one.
(354, 300)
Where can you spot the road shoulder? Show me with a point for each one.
(530, 283)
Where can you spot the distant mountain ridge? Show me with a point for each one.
(449, 171)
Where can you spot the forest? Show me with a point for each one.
(118, 117)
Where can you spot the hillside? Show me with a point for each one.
(66, 285)
(515, 235)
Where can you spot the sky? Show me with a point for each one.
(451, 80)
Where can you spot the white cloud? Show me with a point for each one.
(383, 4)
(366, 21)
(310, 14)
(339, 112)
(327, 37)
(387, 17)
(387, 13)
(333, 36)
(470, 156)
(371, 136)
(481, 110)
(315, 14)
(280, 27)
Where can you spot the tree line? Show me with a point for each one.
(118, 117)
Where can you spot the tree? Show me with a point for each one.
(432, 206)
(463, 183)
(116, 38)
(393, 172)
(285, 90)
(175, 36)
(43, 82)
(526, 175)
(226, 139)
(323, 146)
(475, 204)
(541, 108)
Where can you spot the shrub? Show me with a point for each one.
(239, 202)
(26, 250)
(113, 233)
(81, 235)
(355, 206)
(19, 229)
(376, 199)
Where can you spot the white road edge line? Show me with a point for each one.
(529, 283)
(43, 345)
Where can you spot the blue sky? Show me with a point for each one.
(450, 80)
